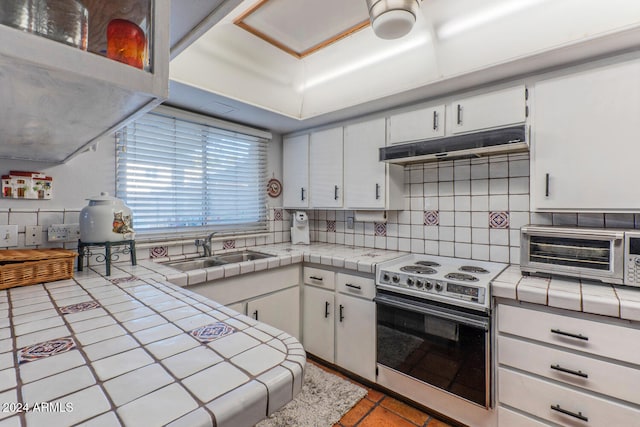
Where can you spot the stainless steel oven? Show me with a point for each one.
(445, 346)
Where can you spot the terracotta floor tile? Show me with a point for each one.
(412, 414)
(437, 423)
(356, 413)
(381, 417)
(374, 395)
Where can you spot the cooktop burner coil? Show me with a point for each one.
(418, 269)
(461, 277)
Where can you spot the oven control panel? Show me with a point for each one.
(458, 291)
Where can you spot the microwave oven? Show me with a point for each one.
(606, 255)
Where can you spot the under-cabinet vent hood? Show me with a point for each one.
(478, 144)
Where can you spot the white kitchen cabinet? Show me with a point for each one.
(318, 314)
(295, 171)
(355, 335)
(325, 168)
(416, 125)
(584, 151)
(58, 99)
(368, 182)
(566, 368)
(490, 110)
(339, 324)
(280, 309)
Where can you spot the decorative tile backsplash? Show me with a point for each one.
(470, 208)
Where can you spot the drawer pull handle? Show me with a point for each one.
(315, 278)
(569, 371)
(341, 312)
(571, 414)
(255, 314)
(326, 309)
(349, 285)
(569, 334)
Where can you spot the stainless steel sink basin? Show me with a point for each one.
(215, 260)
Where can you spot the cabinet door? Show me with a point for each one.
(325, 161)
(416, 125)
(584, 150)
(280, 310)
(356, 336)
(295, 173)
(364, 174)
(499, 108)
(318, 322)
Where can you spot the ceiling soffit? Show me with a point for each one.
(302, 28)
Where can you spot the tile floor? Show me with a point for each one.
(377, 409)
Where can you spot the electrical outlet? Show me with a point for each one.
(63, 232)
(8, 236)
(350, 222)
(33, 235)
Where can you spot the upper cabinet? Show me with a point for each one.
(369, 183)
(584, 150)
(417, 125)
(325, 168)
(491, 110)
(295, 173)
(61, 93)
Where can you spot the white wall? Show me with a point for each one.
(73, 182)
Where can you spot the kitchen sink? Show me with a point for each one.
(216, 260)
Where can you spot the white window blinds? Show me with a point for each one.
(179, 175)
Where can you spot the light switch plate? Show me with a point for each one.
(8, 236)
(63, 233)
(33, 235)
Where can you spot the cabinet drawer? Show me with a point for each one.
(538, 397)
(509, 418)
(319, 277)
(581, 371)
(603, 339)
(356, 285)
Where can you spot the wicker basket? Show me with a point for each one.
(22, 267)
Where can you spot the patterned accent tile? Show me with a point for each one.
(79, 307)
(229, 244)
(124, 279)
(431, 218)
(331, 225)
(159, 252)
(380, 228)
(45, 349)
(212, 332)
(278, 215)
(499, 219)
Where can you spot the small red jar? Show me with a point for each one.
(126, 42)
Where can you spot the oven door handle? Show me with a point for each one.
(432, 311)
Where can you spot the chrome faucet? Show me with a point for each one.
(206, 245)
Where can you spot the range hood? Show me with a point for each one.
(505, 140)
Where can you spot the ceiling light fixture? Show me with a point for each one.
(392, 19)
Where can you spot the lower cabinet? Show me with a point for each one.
(271, 295)
(339, 324)
(280, 309)
(566, 368)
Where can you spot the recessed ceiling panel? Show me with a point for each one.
(301, 27)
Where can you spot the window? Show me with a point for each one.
(181, 172)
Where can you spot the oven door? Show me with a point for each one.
(441, 345)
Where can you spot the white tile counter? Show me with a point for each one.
(133, 349)
(341, 256)
(572, 294)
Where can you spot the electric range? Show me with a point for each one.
(455, 281)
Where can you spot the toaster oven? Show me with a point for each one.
(607, 255)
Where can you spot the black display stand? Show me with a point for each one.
(83, 249)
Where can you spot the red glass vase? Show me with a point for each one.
(126, 43)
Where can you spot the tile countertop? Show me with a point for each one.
(341, 256)
(133, 349)
(572, 294)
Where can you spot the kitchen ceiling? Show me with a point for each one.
(233, 73)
